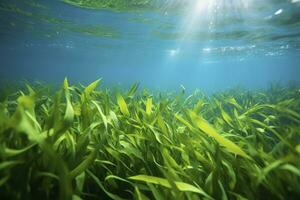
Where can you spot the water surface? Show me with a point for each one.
(209, 45)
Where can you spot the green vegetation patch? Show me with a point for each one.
(27, 20)
(131, 5)
(83, 142)
(114, 4)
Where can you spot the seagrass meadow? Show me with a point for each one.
(197, 100)
(86, 142)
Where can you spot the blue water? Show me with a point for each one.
(211, 45)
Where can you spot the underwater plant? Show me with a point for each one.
(90, 143)
(116, 4)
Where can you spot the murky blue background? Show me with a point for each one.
(210, 45)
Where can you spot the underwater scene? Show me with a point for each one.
(150, 99)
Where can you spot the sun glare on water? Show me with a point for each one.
(202, 16)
